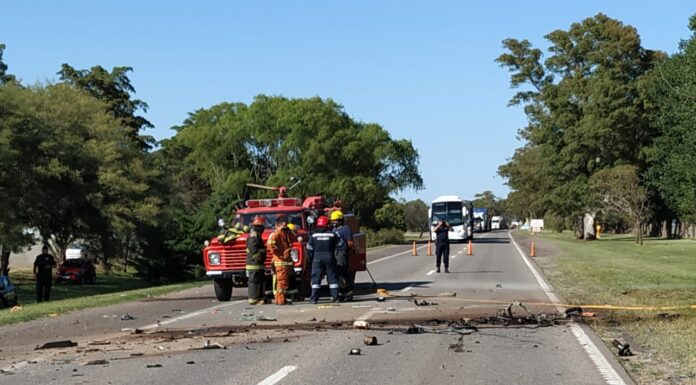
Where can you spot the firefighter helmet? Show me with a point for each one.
(258, 221)
(291, 226)
(337, 215)
(322, 221)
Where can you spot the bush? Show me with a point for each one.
(384, 236)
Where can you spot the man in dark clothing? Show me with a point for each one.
(345, 278)
(255, 261)
(321, 250)
(442, 247)
(43, 272)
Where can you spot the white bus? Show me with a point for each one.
(457, 212)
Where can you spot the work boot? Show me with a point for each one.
(335, 300)
(349, 298)
(313, 301)
(438, 270)
(446, 270)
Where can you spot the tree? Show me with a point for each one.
(487, 200)
(4, 76)
(416, 216)
(114, 89)
(586, 109)
(619, 190)
(391, 216)
(673, 89)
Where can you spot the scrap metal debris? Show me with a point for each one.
(252, 317)
(212, 345)
(450, 329)
(359, 324)
(57, 344)
(447, 294)
(381, 299)
(127, 317)
(370, 340)
(413, 329)
(96, 362)
(507, 316)
(354, 352)
(458, 347)
(423, 303)
(150, 366)
(624, 349)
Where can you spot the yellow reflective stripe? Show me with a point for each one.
(283, 264)
(254, 267)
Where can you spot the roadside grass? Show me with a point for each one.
(614, 270)
(114, 288)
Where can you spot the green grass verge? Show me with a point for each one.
(109, 290)
(614, 270)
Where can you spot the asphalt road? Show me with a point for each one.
(309, 344)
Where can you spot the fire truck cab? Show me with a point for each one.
(226, 262)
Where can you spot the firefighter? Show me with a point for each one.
(343, 256)
(280, 243)
(321, 250)
(255, 261)
(232, 233)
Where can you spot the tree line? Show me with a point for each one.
(611, 131)
(76, 165)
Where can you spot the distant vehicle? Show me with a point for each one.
(484, 222)
(457, 212)
(514, 225)
(8, 294)
(77, 267)
(498, 223)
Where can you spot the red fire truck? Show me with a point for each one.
(226, 262)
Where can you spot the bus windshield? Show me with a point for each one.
(448, 211)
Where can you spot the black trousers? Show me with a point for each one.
(256, 281)
(442, 254)
(43, 288)
(324, 264)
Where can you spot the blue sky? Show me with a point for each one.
(424, 70)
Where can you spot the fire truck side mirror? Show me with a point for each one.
(221, 222)
(310, 220)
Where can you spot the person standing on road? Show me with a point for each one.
(43, 273)
(280, 243)
(321, 250)
(442, 247)
(345, 279)
(255, 261)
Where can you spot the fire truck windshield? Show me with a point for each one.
(270, 217)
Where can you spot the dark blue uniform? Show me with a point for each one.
(321, 249)
(442, 247)
(345, 279)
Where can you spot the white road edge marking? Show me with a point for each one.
(395, 255)
(277, 376)
(189, 315)
(430, 272)
(600, 362)
(369, 314)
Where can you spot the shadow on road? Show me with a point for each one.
(492, 240)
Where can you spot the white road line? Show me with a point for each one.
(277, 376)
(430, 272)
(408, 288)
(367, 315)
(395, 255)
(189, 315)
(454, 256)
(600, 362)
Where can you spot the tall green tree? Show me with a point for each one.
(673, 89)
(416, 216)
(115, 90)
(586, 109)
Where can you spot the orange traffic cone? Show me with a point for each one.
(533, 251)
(430, 248)
(415, 252)
(469, 248)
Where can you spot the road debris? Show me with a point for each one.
(312, 319)
(381, 299)
(370, 340)
(498, 285)
(573, 311)
(190, 362)
(254, 318)
(383, 293)
(423, 303)
(360, 324)
(324, 307)
(354, 352)
(213, 345)
(450, 329)
(458, 347)
(447, 294)
(96, 362)
(391, 309)
(150, 366)
(413, 329)
(624, 349)
(57, 344)
(15, 308)
(99, 343)
(127, 317)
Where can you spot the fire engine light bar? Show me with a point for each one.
(288, 202)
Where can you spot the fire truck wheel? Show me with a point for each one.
(223, 288)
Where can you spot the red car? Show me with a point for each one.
(78, 270)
